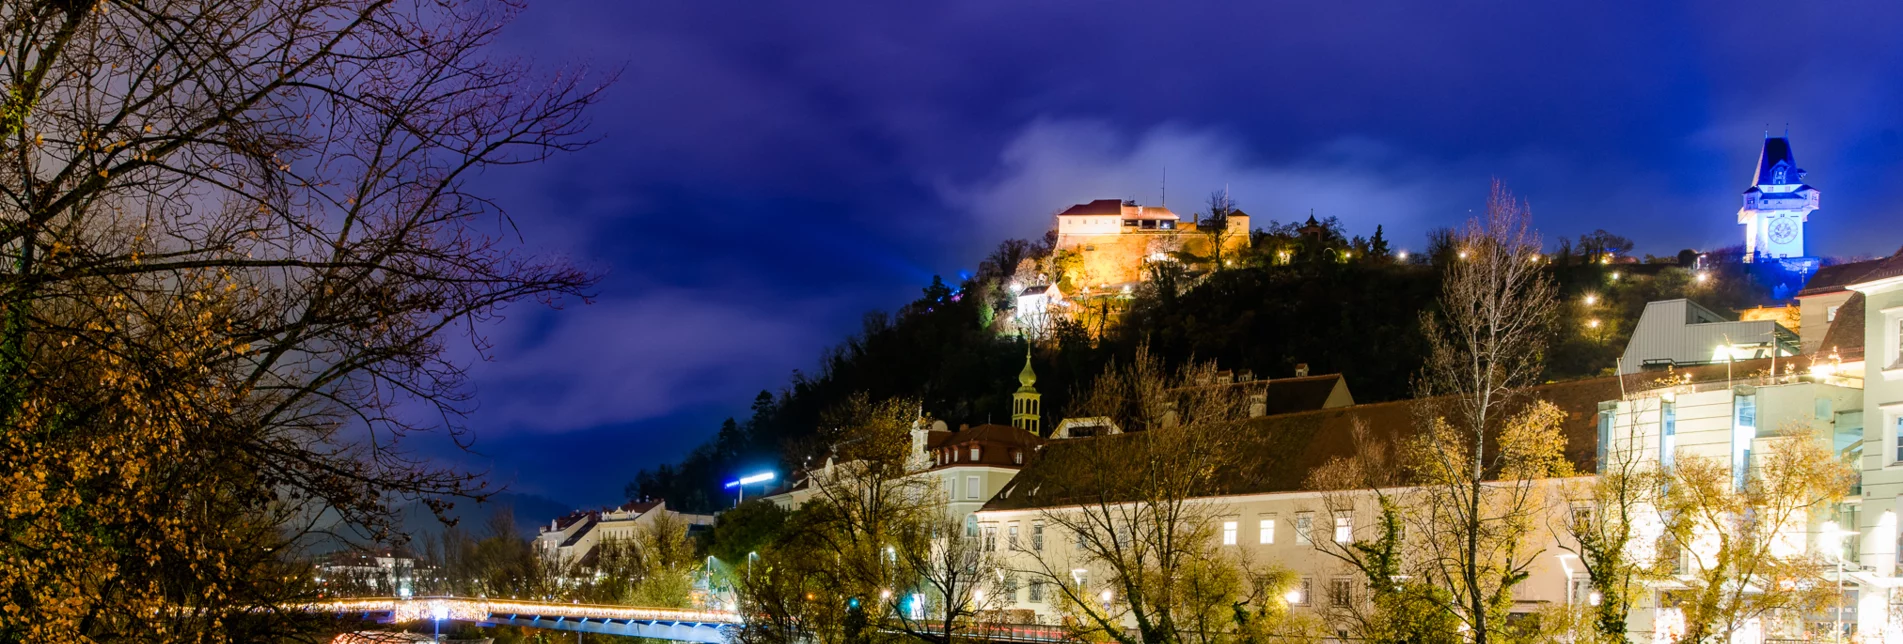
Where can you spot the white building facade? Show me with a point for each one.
(1777, 205)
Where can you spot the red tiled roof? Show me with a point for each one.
(1098, 208)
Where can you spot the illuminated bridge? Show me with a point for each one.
(711, 627)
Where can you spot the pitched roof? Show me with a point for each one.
(1776, 149)
(1306, 393)
(1277, 453)
(1886, 268)
(1100, 207)
(1004, 434)
(1845, 336)
(1833, 278)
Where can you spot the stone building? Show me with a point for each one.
(1114, 239)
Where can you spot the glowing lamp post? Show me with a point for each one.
(740, 484)
(438, 612)
(1834, 541)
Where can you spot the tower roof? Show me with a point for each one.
(1777, 150)
(1027, 377)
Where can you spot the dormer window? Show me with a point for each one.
(1017, 457)
(974, 453)
(1778, 173)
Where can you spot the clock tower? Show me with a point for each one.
(1776, 205)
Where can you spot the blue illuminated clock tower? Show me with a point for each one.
(1776, 206)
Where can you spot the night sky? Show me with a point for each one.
(769, 171)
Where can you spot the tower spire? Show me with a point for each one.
(1026, 403)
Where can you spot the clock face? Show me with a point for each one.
(1783, 231)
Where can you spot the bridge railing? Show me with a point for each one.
(479, 609)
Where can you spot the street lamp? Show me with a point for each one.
(741, 483)
(1837, 534)
(438, 612)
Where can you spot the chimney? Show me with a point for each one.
(1301, 370)
(963, 427)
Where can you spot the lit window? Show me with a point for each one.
(1304, 522)
(1344, 527)
(1228, 533)
(1267, 531)
(1668, 433)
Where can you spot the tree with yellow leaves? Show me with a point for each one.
(236, 239)
(1484, 451)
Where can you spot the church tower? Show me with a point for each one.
(1776, 205)
(1026, 404)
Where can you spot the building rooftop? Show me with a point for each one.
(1834, 278)
(1277, 453)
(1845, 336)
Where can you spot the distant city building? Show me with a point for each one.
(1680, 333)
(572, 539)
(384, 573)
(1776, 206)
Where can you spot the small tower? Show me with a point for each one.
(1026, 404)
(1776, 205)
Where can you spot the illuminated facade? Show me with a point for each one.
(1113, 239)
(1777, 205)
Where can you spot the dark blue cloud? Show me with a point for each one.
(769, 170)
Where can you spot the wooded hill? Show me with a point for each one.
(1338, 304)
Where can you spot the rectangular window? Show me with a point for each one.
(1344, 526)
(1668, 432)
(1267, 530)
(1898, 432)
(991, 538)
(1011, 535)
(1304, 522)
(1299, 596)
(1744, 428)
(1228, 533)
(1607, 412)
(1037, 592)
(1037, 537)
(1341, 592)
(971, 487)
(974, 453)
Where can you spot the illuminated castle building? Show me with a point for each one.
(1776, 206)
(1114, 238)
